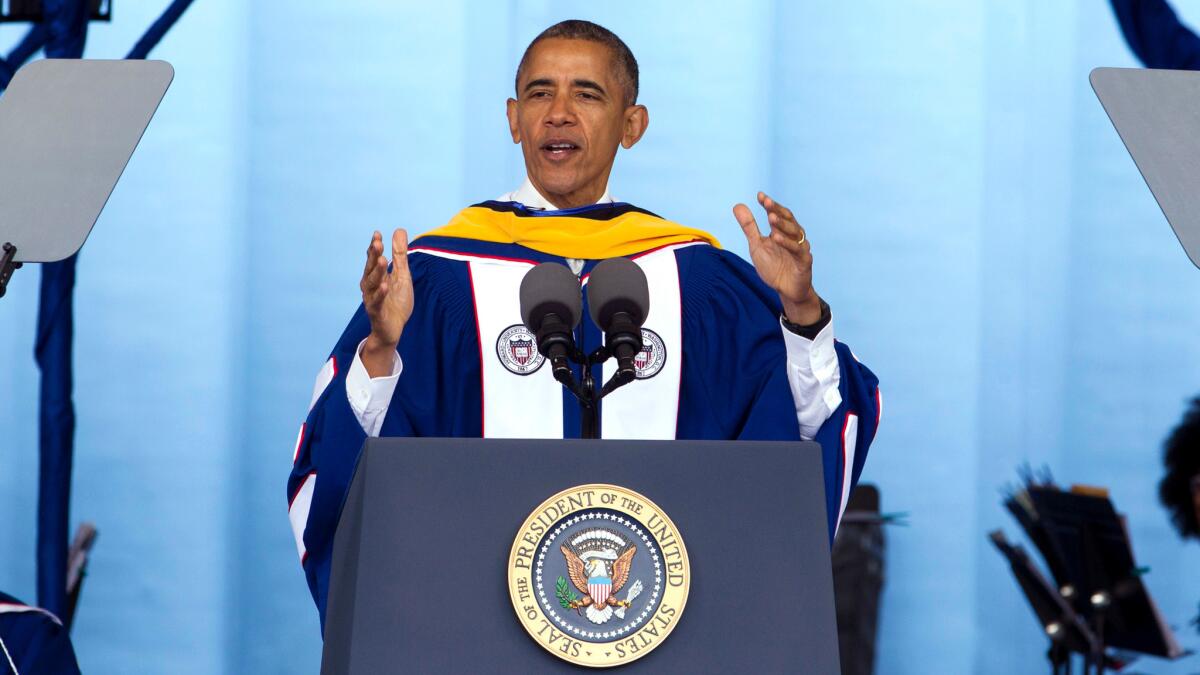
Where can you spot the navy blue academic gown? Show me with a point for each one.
(713, 368)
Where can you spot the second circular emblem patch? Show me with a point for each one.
(653, 356)
(598, 575)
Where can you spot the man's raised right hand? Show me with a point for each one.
(388, 299)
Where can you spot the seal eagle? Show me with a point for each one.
(597, 583)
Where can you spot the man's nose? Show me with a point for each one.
(561, 113)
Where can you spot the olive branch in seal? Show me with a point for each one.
(564, 593)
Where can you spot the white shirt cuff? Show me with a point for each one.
(814, 376)
(370, 396)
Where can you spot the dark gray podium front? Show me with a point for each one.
(419, 581)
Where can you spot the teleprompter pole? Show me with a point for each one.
(7, 265)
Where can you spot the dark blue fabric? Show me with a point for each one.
(34, 40)
(734, 384)
(483, 248)
(158, 29)
(56, 430)
(1156, 35)
(433, 398)
(36, 642)
(603, 211)
(733, 381)
(66, 26)
(29, 45)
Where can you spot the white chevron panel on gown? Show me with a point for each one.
(648, 408)
(849, 446)
(298, 511)
(324, 377)
(514, 406)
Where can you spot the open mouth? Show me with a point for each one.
(559, 150)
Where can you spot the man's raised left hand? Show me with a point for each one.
(783, 259)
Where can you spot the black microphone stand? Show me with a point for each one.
(557, 343)
(585, 390)
(589, 408)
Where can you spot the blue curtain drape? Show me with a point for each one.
(66, 33)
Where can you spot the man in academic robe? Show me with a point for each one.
(437, 349)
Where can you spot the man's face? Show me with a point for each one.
(569, 117)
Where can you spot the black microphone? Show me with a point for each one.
(619, 301)
(551, 307)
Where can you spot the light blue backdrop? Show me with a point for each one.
(987, 245)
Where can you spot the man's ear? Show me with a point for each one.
(637, 118)
(511, 111)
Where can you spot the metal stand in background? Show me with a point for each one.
(68, 128)
(859, 563)
(32, 10)
(1098, 599)
(59, 30)
(8, 264)
(1063, 626)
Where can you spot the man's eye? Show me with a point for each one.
(539, 94)
(589, 96)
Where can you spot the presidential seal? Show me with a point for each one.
(598, 575)
(517, 350)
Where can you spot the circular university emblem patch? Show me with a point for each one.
(598, 575)
(517, 350)
(653, 356)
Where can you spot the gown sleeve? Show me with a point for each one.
(35, 640)
(437, 395)
(734, 383)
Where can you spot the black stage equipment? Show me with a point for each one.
(14, 11)
(1097, 600)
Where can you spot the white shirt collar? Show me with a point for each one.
(528, 195)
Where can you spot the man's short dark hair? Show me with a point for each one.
(577, 29)
(1182, 460)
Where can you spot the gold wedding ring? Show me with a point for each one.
(802, 239)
